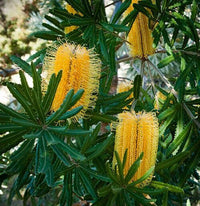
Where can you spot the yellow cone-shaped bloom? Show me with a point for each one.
(124, 87)
(138, 133)
(71, 10)
(81, 69)
(140, 36)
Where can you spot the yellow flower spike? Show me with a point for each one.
(138, 133)
(81, 69)
(140, 36)
(71, 10)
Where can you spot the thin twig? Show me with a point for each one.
(8, 72)
(112, 3)
(168, 84)
(151, 77)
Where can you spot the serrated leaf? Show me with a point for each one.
(178, 140)
(66, 195)
(171, 188)
(87, 183)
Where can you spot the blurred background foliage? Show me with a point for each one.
(174, 71)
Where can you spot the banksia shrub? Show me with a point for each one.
(140, 35)
(138, 133)
(81, 69)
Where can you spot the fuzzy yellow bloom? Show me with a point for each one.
(124, 87)
(71, 10)
(140, 36)
(81, 69)
(138, 133)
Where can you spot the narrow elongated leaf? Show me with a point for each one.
(121, 10)
(66, 195)
(63, 108)
(11, 140)
(172, 147)
(22, 64)
(61, 155)
(11, 112)
(172, 161)
(171, 188)
(133, 169)
(71, 113)
(137, 86)
(99, 148)
(51, 91)
(87, 183)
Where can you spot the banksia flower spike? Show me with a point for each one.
(71, 10)
(140, 36)
(138, 133)
(81, 69)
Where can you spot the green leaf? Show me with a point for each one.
(166, 113)
(11, 140)
(25, 148)
(22, 64)
(102, 117)
(47, 35)
(144, 177)
(120, 168)
(95, 174)
(66, 195)
(103, 46)
(137, 86)
(9, 127)
(53, 139)
(178, 140)
(133, 169)
(37, 54)
(166, 61)
(24, 123)
(26, 105)
(11, 112)
(76, 97)
(121, 10)
(99, 148)
(51, 91)
(63, 108)
(105, 190)
(87, 183)
(71, 113)
(53, 29)
(172, 161)
(162, 185)
(60, 154)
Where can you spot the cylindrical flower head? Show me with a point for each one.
(138, 133)
(71, 10)
(140, 36)
(81, 69)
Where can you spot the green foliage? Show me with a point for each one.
(51, 151)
